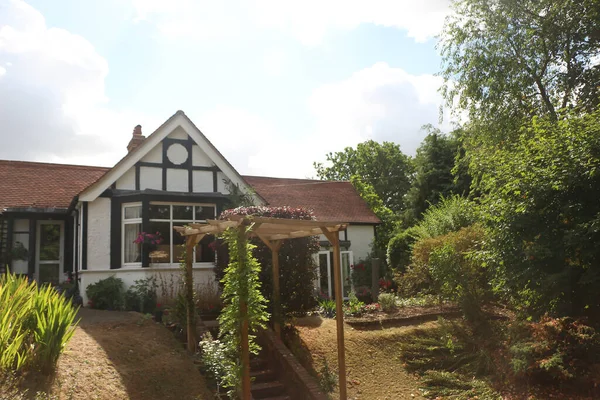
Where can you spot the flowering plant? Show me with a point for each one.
(149, 238)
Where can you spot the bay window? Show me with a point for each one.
(162, 217)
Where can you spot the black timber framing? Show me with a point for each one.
(145, 226)
(115, 234)
(9, 241)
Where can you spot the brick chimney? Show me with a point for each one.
(136, 139)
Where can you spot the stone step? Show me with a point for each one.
(285, 397)
(267, 389)
(257, 364)
(263, 375)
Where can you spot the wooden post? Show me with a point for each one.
(276, 291)
(189, 294)
(339, 310)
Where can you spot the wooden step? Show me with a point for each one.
(263, 375)
(267, 389)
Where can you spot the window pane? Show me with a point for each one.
(183, 212)
(205, 212)
(133, 212)
(132, 249)
(49, 242)
(160, 253)
(204, 252)
(159, 211)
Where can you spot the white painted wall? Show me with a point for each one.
(150, 178)
(178, 133)
(361, 237)
(200, 158)
(203, 181)
(127, 181)
(177, 180)
(98, 239)
(154, 155)
(203, 275)
(221, 183)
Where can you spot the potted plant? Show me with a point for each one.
(149, 241)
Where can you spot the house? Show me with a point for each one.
(59, 221)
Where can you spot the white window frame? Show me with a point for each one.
(175, 222)
(124, 222)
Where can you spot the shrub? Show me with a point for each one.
(37, 323)
(446, 266)
(387, 301)
(353, 307)
(141, 296)
(106, 294)
(450, 385)
(213, 360)
(297, 268)
(449, 215)
(399, 250)
(553, 349)
(208, 298)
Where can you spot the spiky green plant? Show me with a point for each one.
(35, 325)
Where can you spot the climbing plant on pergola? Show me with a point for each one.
(272, 231)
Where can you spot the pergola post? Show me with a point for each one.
(339, 310)
(189, 292)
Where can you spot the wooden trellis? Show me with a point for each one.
(272, 231)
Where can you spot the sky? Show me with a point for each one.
(274, 85)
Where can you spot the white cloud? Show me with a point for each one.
(308, 21)
(53, 105)
(380, 103)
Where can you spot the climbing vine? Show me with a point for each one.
(243, 302)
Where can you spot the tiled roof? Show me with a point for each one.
(41, 185)
(329, 200)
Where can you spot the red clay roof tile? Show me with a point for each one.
(43, 185)
(329, 200)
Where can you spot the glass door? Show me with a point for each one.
(324, 278)
(49, 260)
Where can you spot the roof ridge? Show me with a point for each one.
(51, 164)
(295, 179)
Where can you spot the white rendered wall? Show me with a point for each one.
(200, 158)
(178, 133)
(98, 234)
(177, 180)
(361, 237)
(169, 275)
(127, 181)
(221, 183)
(150, 178)
(154, 155)
(203, 181)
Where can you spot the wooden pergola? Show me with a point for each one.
(272, 231)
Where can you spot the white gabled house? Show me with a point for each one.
(65, 220)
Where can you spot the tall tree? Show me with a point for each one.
(435, 173)
(510, 59)
(381, 165)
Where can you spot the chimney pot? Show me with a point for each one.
(136, 139)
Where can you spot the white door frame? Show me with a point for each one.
(350, 263)
(327, 253)
(61, 259)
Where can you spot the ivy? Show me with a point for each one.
(241, 285)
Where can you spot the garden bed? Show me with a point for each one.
(402, 316)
